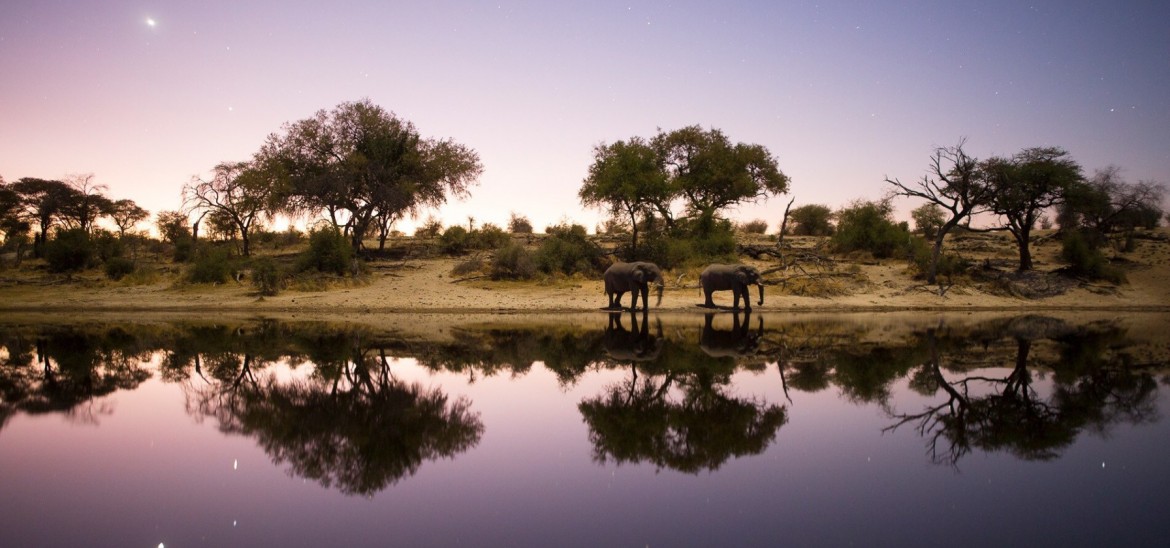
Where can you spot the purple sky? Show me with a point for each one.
(842, 93)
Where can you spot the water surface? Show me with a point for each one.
(596, 430)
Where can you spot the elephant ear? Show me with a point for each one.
(639, 274)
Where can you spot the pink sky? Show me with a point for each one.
(843, 94)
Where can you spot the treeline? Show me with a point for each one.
(354, 171)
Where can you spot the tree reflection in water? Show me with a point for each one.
(351, 425)
(67, 370)
(638, 420)
(334, 412)
(1093, 388)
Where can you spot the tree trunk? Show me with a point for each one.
(784, 222)
(634, 236)
(1025, 251)
(244, 242)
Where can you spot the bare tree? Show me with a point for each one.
(954, 184)
(237, 190)
(87, 203)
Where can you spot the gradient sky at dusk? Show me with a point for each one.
(842, 93)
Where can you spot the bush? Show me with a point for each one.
(866, 226)
(519, 224)
(512, 262)
(613, 226)
(758, 226)
(328, 252)
(928, 219)
(430, 229)
(949, 264)
(811, 220)
(118, 267)
(267, 276)
(489, 236)
(184, 249)
(1085, 259)
(664, 251)
(568, 250)
(70, 251)
(212, 266)
(106, 245)
(455, 240)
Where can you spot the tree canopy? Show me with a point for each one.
(1026, 185)
(641, 179)
(361, 164)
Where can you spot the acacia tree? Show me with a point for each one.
(359, 164)
(628, 179)
(126, 214)
(1106, 204)
(710, 173)
(238, 191)
(86, 203)
(1024, 186)
(42, 202)
(953, 183)
(12, 226)
(812, 220)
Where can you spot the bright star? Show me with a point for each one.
(150, 22)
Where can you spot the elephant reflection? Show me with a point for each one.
(634, 345)
(740, 342)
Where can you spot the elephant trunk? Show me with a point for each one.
(761, 286)
(659, 287)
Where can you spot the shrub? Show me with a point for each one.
(184, 249)
(567, 250)
(519, 224)
(664, 251)
(866, 226)
(811, 220)
(928, 219)
(949, 264)
(267, 276)
(613, 226)
(106, 245)
(212, 266)
(1085, 259)
(70, 251)
(430, 229)
(758, 226)
(118, 267)
(489, 236)
(328, 252)
(455, 240)
(463, 268)
(512, 262)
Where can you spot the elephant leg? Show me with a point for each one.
(735, 301)
(709, 303)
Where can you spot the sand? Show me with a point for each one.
(427, 286)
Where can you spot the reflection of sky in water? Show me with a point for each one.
(149, 473)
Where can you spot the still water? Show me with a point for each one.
(625, 430)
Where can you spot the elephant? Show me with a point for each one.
(737, 278)
(633, 277)
(740, 342)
